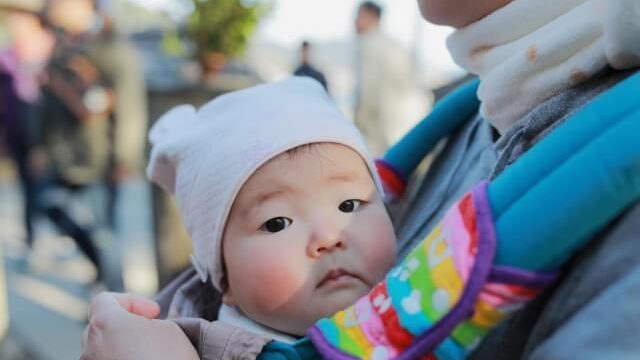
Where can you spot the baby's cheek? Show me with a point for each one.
(379, 261)
(273, 279)
(379, 253)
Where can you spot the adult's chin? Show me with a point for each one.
(442, 12)
(458, 13)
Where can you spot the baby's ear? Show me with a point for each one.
(227, 297)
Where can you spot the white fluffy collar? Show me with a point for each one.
(530, 50)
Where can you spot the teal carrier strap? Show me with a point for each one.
(401, 160)
(448, 115)
(498, 246)
(572, 183)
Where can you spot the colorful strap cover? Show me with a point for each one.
(441, 300)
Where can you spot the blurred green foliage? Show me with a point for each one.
(224, 26)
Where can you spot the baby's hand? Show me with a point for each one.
(121, 327)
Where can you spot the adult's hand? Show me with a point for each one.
(122, 327)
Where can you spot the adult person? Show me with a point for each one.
(91, 25)
(73, 127)
(93, 107)
(21, 70)
(530, 84)
(383, 79)
(306, 68)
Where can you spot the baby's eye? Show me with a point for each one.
(276, 224)
(349, 206)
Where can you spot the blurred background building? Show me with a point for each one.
(117, 66)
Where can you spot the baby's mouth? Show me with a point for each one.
(337, 278)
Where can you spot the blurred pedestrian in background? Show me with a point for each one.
(74, 125)
(90, 122)
(383, 79)
(306, 69)
(89, 26)
(22, 64)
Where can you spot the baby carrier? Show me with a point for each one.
(479, 265)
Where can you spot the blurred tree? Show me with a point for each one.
(222, 29)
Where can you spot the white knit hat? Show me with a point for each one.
(204, 157)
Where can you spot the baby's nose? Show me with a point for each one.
(325, 241)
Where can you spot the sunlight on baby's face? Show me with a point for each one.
(307, 235)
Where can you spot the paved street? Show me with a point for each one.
(48, 289)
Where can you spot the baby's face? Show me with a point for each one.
(307, 236)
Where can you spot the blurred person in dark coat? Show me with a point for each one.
(306, 69)
(117, 60)
(21, 69)
(74, 128)
(92, 118)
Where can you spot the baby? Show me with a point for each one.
(284, 209)
(282, 203)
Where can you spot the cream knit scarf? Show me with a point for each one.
(530, 50)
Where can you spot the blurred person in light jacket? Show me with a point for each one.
(383, 80)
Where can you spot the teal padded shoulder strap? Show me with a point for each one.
(448, 114)
(570, 184)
